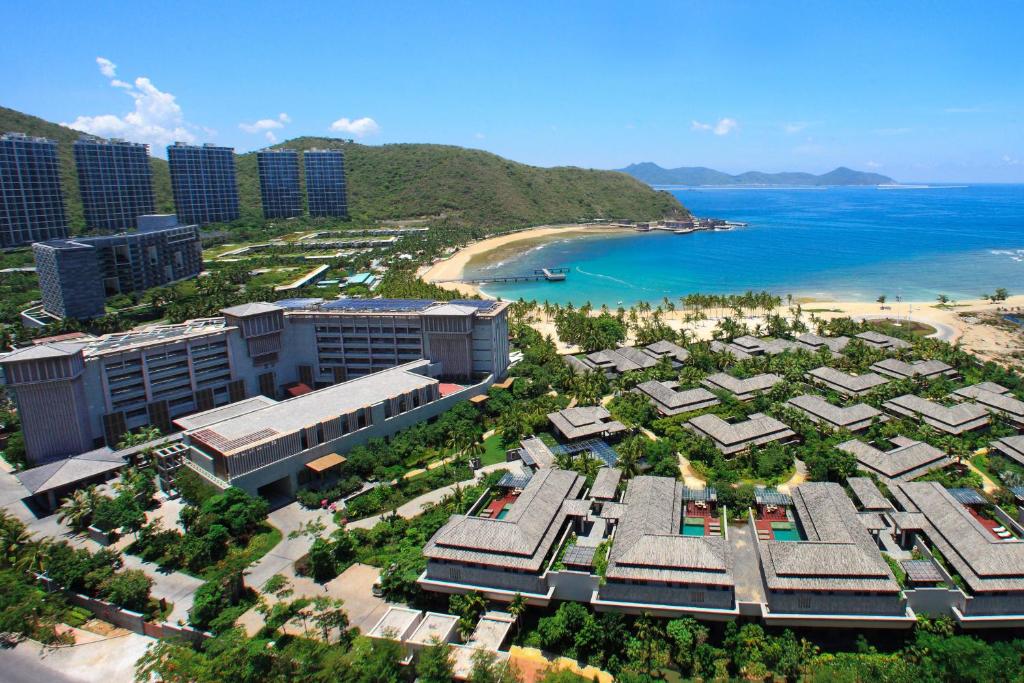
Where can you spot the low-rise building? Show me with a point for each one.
(729, 438)
(956, 419)
(668, 399)
(853, 418)
(742, 389)
(748, 346)
(1012, 447)
(654, 568)
(585, 422)
(996, 399)
(816, 342)
(614, 362)
(845, 383)
(921, 369)
(834, 572)
(906, 460)
(877, 340)
(990, 568)
(504, 556)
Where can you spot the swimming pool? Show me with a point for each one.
(503, 513)
(790, 534)
(693, 526)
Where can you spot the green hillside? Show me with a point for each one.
(464, 186)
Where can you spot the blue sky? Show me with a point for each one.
(929, 91)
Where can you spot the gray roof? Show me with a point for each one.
(580, 422)
(243, 431)
(667, 348)
(994, 397)
(648, 545)
(606, 483)
(523, 538)
(208, 417)
(1012, 447)
(42, 351)
(742, 388)
(756, 430)
(71, 470)
(813, 342)
(985, 562)
(735, 351)
(898, 369)
(853, 418)
(880, 340)
(952, 419)
(851, 385)
(868, 494)
(839, 553)
(670, 400)
(536, 453)
(909, 459)
(255, 308)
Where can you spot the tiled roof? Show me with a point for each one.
(854, 417)
(909, 459)
(845, 383)
(756, 430)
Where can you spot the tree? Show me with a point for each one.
(321, 561)
(1001, 294)
(436, 663)
(881, 299)
(684, 636)
(76, 511)
(943, 299)
(517, 608)
(129, 589)
(487, 669)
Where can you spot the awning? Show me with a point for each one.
(482, 398)
(325, 462)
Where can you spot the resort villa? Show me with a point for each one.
(669, 400)
(586, 422)
(742, 389)
(996, 399)
(734, 437)
(877, 340)
(815, 342)
(907, 460)
(747, 346)
(1012, 447)
(955, 419)
(921, 369)
(853, 418)
(668, 556)
(844, 383)
(614, 362)
(820, 562)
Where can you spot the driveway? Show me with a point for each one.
(102, 661)
(281, 557)
(746, 564)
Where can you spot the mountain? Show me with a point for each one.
(654, 174)
(467, 186)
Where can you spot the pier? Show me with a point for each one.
(548, 274)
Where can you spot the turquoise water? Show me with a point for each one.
(786, 534)
(692, 529)
(845, 243)
(504, 513)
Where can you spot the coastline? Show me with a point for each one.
(453, 267)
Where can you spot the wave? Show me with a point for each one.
(607, 277)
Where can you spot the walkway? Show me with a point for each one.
(691, 477)
(415, 506)
(281, 558)
(746, 564)
(799, 477)
(987, 485)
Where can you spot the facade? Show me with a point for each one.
(996, 399)
(31, 199)
(76, 396)
(742, 389)
(653, 567)
(115, 181)
(77, 275)
(877, 340)
(853, 418)
(757, 430)
(845, 383)
(326, 190)
(906, 460)
(835, 570)
(203, 183)
(279, 183)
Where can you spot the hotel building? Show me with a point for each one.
(326, 191)
(115, 181)
(279, 183)
(203, 182)
(31, 200)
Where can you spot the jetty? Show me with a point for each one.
(548, 274)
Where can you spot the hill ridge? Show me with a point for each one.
(653, 174)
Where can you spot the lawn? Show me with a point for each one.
(888, 326)
(494, 452)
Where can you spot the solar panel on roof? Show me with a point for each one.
(967, 496)
(579, 556)
(297, 303)
(598, 447)
(1017, 491)
(514, 481)
(474, 303)
(767, 496)
(708, 493)
(922, 571)
(390, 305)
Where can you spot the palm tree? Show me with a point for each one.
(76, 511)
(517, 608)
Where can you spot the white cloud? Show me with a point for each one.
(107, 67)
(892, 131)
(872, 164)
(723, 127)
(794, 127)
(963, 110)
(269, 135)
(266, 124)
(479, 136)
(156, 120)
(356, 127)
(1011, 161)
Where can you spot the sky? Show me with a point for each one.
(920, 91)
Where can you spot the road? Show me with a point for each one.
(103, 661)
(943, 331)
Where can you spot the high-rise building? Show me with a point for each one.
(31, 201)
(77, 275)
(115, 181)
(279, 183)
(203, 182)
(326, 192)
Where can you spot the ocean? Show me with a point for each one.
(839, 243)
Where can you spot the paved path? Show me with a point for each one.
(746, 565)
(415, 506)
(280, 558)
(691, 478)
(799, 477)
(108, 660)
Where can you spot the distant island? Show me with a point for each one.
(653, 174)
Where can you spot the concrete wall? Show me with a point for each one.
(807, 602)
(663, 595)
(486, 578)
(934, 602)
(570, 585)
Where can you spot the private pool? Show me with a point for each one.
(785, 531)
(693, 526)
(503, 513)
